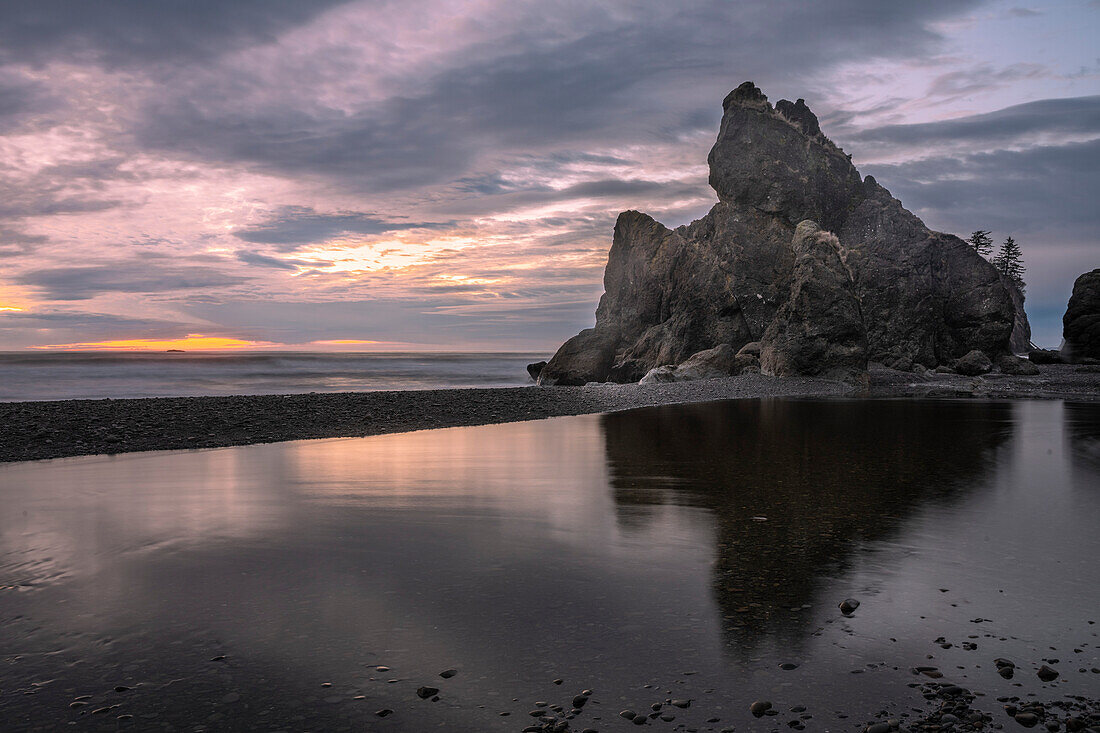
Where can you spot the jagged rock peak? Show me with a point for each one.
(747, 95)
(799, 114)
(780, 163)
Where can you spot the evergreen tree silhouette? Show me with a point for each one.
(981, 242)
(1009, 261)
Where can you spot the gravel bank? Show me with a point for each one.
(37, 430)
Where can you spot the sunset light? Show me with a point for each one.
(193, 342)
(509, 365)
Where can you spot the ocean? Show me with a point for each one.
(116, 375)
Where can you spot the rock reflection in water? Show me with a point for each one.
(1083, 427)
(796, 486)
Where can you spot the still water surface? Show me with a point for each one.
(693, 549)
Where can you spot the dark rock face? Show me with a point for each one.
(923, 297)
(819, 330)
(1081, 323)
(535, 369)
(1020, 340)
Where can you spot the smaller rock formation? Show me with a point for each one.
(818, 331)
(1020, 340)
(1010, 364)
(707, 364)
(1081, 323)
(1045, 356)
(973, 364)
(536, 369)
(747, 360)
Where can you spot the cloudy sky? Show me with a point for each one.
(446, 173)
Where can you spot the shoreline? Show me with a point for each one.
(67, 428)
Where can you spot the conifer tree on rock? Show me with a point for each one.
(981, 242)
(1009, 262)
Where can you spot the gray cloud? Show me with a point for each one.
(56, 326)
(963, 82)
(136, 32)
(84, 282)
(642, 71)
(21, 98)
(1068, 116)
(15, 242)
(262, 260)
(295, 226)
(97, 322)
(1005, 189)
(425, 320)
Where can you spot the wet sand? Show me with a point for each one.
(39, 430)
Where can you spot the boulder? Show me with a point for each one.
(923, 297)
(1045, 356)
(535, 369)
(973, 364)
(586, 357)
(659, 375)
(1081, 323)
(1010, 364)
(819, 329)
(708, 364)
(747, 359)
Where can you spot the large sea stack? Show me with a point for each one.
(1081, 323)
(861, 278)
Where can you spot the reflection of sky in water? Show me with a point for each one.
(612, 551)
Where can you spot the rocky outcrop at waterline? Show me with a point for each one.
(890, 291)
(1081, 323)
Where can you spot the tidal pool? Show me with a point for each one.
(695, 553)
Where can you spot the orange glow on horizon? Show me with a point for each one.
(193, 342)
(10, 308)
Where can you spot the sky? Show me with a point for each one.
(445, 174)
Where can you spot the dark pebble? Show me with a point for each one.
(383, 712)
(425, 692)
(1046, 674)
(448, 673)
(1028, 720)
(848, 606)
(759, 708)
